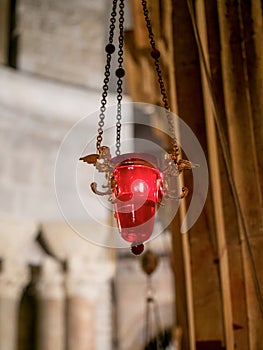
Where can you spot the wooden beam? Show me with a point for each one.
(202, 234)
(140, 30)
(215, 175)
(181, 250)
(4, 30)
(244, 162)
(252, 23)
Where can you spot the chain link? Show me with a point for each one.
(119, 81)
(105, 87)
(156, 55)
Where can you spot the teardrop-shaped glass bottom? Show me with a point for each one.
(135, 220)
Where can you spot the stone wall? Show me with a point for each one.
(58, 82)
(63, 40)
(39, 104)
(35, 116)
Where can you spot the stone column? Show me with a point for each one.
(51, 307)
(103, 325)
(13, 279)
(89, 305)
(80, 323)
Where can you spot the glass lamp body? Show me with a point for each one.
(137, 193)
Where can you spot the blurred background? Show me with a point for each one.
(59, 291)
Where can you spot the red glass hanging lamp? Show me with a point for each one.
(136, 185)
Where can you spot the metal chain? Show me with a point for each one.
(156, 55)
(153, 314)
(120, 73)
(109, 49)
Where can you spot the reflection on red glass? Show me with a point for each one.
(137, 192)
